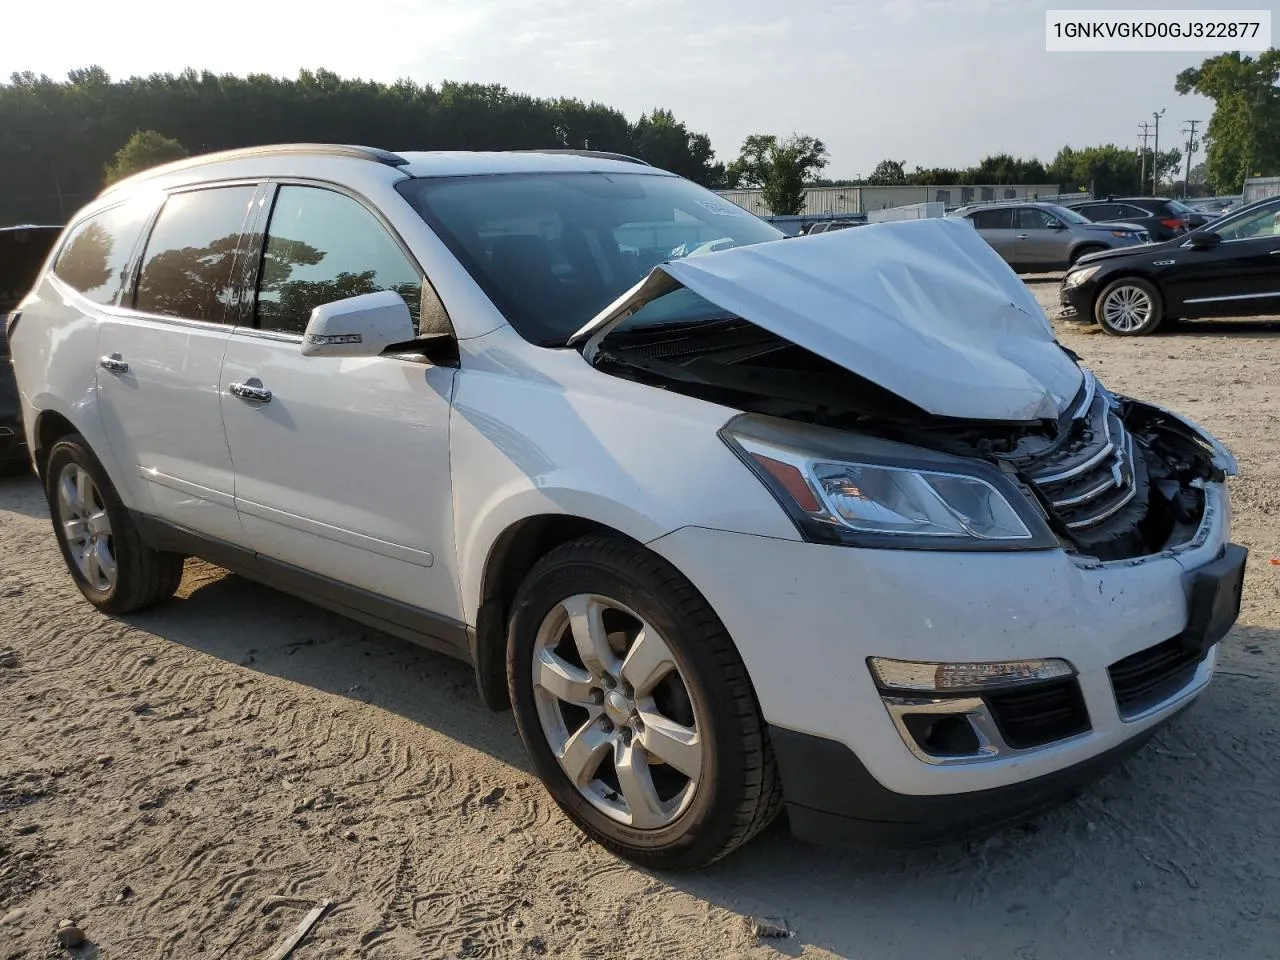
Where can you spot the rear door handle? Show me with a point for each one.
(1022, 236)
(252, 394)
(1275, 253)
(114, 363)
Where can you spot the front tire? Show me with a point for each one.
(1129, 307)
(114, 569)
(636, 708)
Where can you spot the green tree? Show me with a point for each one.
(1106, 169)
(888, 173)
(60, 135)
(782, 169)
(145, 149)
(1243, 135)
(662, 140)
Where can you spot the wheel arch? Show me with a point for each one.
(510, 558)
(50, 427)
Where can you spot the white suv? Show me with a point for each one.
(829, 522)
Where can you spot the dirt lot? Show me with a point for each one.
(190, 781)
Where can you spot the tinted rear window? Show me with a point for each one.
(95, 258)
(993, 219)
(21, 254)
(186, 270)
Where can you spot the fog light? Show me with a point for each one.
(961, 677)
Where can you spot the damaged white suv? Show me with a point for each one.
(831, 523)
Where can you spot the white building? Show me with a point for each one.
(846, 200)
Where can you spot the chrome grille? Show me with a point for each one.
(1091, 476)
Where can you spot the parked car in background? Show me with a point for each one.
(23, 250)
(1161, 217)
(826, 226)
(1228, 268)
(1035, 237)
(803, 524)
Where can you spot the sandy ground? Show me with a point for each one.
(190, 781)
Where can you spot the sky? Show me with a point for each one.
(928, 82)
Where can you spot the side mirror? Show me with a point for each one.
(360, 326)
(1057, 225)
(1202, 239)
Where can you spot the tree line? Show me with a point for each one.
(61, 136)
(63, 139)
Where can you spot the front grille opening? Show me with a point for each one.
(1045, 713)
(942, 734)
(1149, 677)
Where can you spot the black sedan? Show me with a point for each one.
(1229, 268)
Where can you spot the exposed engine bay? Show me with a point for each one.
(1116, 478)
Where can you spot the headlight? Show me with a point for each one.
(1077, 277)
(878, 497)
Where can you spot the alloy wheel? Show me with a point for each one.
(86, 527)
(616, 712)
(1127, 309)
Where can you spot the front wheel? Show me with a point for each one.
(636, 708)
(1129, 307)
(114, 569)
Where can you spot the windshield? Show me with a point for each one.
(552, 250)
(1067, 214)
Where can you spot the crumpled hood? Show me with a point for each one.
(924, 308)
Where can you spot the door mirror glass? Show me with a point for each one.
(1203, 240)
(362, 326)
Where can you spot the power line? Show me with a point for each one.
(1192, 146)
(1155, 154)
(1144, 135)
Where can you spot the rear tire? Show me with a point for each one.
(1129, 307)
(106, 556)
(671, 773)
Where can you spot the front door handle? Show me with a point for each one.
(114, 363)
(1022, 236)
(253, 394)
(1275, 253)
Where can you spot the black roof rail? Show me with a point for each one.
(595, 154)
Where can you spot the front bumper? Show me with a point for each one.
(806, 617)
(831, 798)
(1076, 303)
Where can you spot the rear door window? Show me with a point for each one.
(187, 265)
(1033, 218)
(993, 219)
(95, 258)
(322, 246)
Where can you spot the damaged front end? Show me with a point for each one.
(1109, 477)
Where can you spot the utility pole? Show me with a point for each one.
(1144, 135)
(1191, 148)
(1155, 155)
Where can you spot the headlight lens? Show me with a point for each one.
(833, 497)
(1077, 277)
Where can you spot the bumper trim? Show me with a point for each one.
(831, 798)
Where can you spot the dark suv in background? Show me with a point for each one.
(22, 254)
(1162, 217)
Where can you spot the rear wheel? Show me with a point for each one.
(114, 569)
(636, 708)
(1129, 307)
